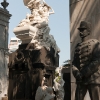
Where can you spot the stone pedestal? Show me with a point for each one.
(88, 10)
(4, 25)
(25, 33)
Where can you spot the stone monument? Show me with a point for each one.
(4, 26)
(83, 10)
(36, 57)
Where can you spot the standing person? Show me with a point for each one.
(86, 64)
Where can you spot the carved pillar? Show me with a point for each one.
(4, 25)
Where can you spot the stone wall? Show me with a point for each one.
(4, 24)
(88, 10)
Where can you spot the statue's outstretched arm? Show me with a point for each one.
(52, 11)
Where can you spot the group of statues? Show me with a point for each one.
(39, 18)
(40, 12)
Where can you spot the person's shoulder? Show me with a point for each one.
(93, 41)
(94, 45)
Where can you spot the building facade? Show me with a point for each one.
(4, 25)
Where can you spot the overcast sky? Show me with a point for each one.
(58, 22)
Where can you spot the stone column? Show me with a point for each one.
(4, 25)
(88, 10)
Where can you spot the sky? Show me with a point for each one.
(58, 23)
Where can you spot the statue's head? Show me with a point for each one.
(84, 28)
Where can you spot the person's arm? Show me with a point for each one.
(52, 11)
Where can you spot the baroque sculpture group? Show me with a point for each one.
(33, 72)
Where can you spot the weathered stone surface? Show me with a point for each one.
(24, 72)
(4, 23)
(5, 16)
(4, 98)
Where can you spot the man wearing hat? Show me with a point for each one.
(86, 64)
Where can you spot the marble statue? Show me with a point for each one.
(58, 84)
(40, 11)
(36, 53)
(38, 19)
(44, 92)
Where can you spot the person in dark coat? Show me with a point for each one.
(86, 64)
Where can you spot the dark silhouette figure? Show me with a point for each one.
(86, 64)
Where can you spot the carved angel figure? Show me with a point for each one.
(45, 11)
